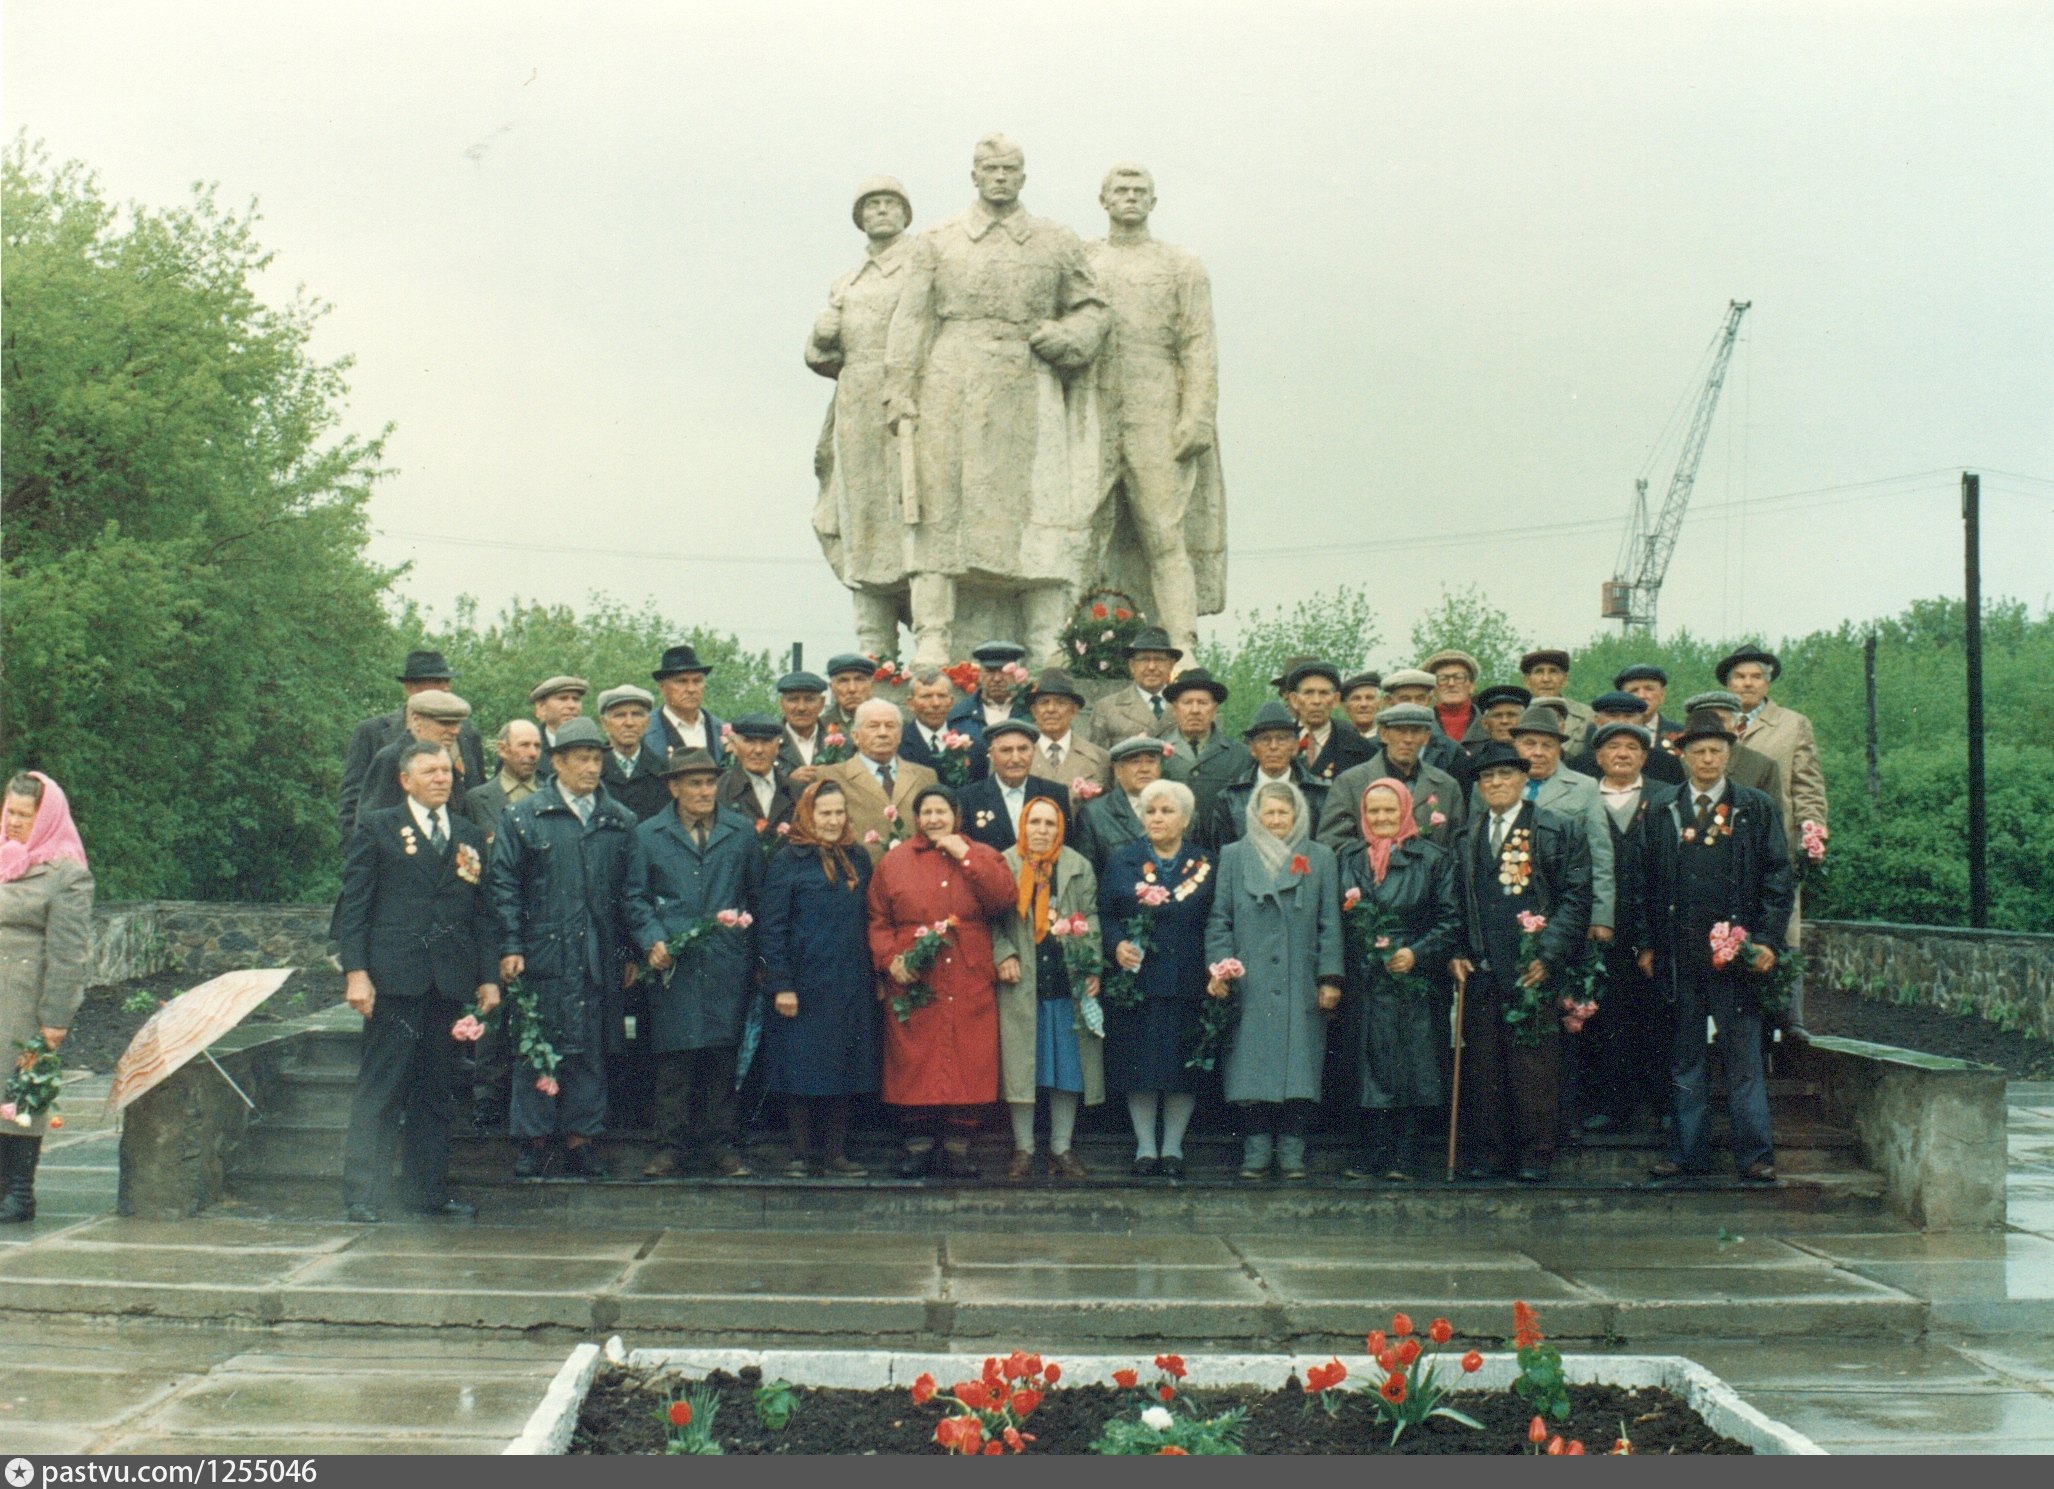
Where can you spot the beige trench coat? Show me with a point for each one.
(1073, 892)
(46, 934)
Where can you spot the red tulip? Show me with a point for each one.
(923, 1389)
(1440, 1331)
(681, 1414)
(1401, 1324)
(1126, 1379)
(1472, 1362)
(1537, 1432)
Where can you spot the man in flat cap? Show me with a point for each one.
(992, 806)
(559, 867)
(998, 674)
(1362, 697)
(808, 745)
(1416, 685)
(1650, 684)
(1439, 804)
(1143, 708)
(1455, 676)
(424, 671)
(632, 773)
(556, 701)
(1742, 765)
(1515, 858)
(1785, 737)
(1273, 755)
(1539, 737)
(432, 717)
(690, 865)
(1546, 671)
(1061, 754)
(999, 316)
(1500, 708)
(1315, 692)
(1201, 756)
(879, 785)
(1622, 707)
(1717, 854)
(851, 681)
(1114, 819)
(684, 722)
(860, 517)
(753, 784)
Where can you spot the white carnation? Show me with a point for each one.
(1157, 1419)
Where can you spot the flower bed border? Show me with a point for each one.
(550, 1427)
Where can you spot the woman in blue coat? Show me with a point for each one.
(820, 1045)
(1146, 1047)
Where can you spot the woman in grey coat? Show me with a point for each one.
(1278, 913)
(46, 921)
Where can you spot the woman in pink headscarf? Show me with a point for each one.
(46, 919)
(1399, 903)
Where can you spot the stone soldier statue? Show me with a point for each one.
(860, 517)
(1158, 385)
(999, 316)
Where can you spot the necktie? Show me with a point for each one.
(884, 779)
(1498, 834)
(698, 834)
(626, 763)
(1704, 813)
(437, 838)
(1055, 753)
(1155, 701)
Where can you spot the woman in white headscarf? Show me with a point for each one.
(1278, 914)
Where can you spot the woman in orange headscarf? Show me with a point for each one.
(1048, 1036)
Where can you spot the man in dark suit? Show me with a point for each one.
(994, 699)
(1113, 819)
(1514, 858)
(632, 773)
(1621, 707)
(683, 722)
(1416, 685)
(992, 806)
(806, 749)
(1744, 767)
(424, 670)
(417, 944)
(1717, 853)
(1328, 748)
(1202, 757)
(432, 717)
(1650, 684)
(519, 747)
(752, 784)
(929, 696)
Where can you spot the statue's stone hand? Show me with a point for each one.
(827, 330)
(899, 409)
(1193, 438)
(1055, 346)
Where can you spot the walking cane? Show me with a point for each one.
(1455, 1096)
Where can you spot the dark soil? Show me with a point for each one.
(1964, 1036)
(106, 1022)
(623, 1414)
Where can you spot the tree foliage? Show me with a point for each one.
(1466, 620)
(1338, 625)
(190, 621)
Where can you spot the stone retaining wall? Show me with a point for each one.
(2006, 977)
(138, 937)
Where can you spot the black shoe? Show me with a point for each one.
(530, 1161)
(1145, 1168)
(1533, 1175)
(489, 1119)
(1171, 1168)
(1759, 1173)
(916, 1163)
(361, 1215)
(1482, 1173)
(449, 1209)
(584, 1162)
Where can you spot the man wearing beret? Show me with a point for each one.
(1547, 673)
(991, 807)
(424, 671)
(1061, 754)
(686, 867)
(1717, 854)
(1785, 736)
(432, 717)
(1362, 696)
(1114, 819)
(1416, 685)
(807, 745)
(556, 878)
(993, 699)
(1439, 804)
(632, 773)
(852, 679)
(1315, 689)
(753, 784)
(684, 722)
(1743, 765)
(1621, 707)
(1144, 708)
(1200, 755)
(1273, 755)
(1514, 858)
(1500, 707)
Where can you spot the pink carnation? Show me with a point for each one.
(1151, 894)
(7, 1112)
(1084, 789)
(1081, 648)
(891, 813)
(1438, 819)
(871, 836)
(467, 1029)
(1531, 923)
(1351, 899)
(727, 731)
(784, 829)
(727, 917)
(547, 1085)
(1168, 749)
(1228, 969)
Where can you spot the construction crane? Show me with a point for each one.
(1631, 593)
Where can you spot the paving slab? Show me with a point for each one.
(431, 1308)
(367, 1404)
(1060, 1304)
(1844, 1365)
(430, 1238)
(219, 1267)
(1939, 1246)
(1083, 1248)
(746, 1247)
(777, 1297)
(69, 1397)
(462, 1273)
(1573, 1255)
(1754, 1302)
(1360, 1249)
(208, 1231)
(39, 1440)
(1894, 1419)
(297, 1441)
(2025, 1359)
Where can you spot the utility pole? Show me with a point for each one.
(1868, 668)
(1978, 823)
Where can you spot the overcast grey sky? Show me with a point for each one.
(1466, 261)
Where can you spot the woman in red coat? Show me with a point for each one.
(941, 1060)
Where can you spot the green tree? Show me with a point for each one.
(190, 624)
(1467, 621)
(1337, 626)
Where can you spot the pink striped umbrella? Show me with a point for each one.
(186, 1025)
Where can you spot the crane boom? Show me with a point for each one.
(1632, 596)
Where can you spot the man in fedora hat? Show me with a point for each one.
(1273, 755)
(1061, 754)
(558, 868)
(1439, 804)
(1717, 854)
(687, 866)
(632, 773)
(1515, 858)
(753, 784)
(1785, 736)
(1315, 692)
(1200, 755)
(684, 723)
(1143, 708)
(432, 717)
(1546, 671)
(424, 670)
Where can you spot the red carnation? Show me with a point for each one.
(681, 1414)
(1440, 1331)
(1098, 612)
(1525, 1327)
(1126, 1380)
(1300, 864)
(923, 1389)
(1171, 1450)
(1123, 613)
